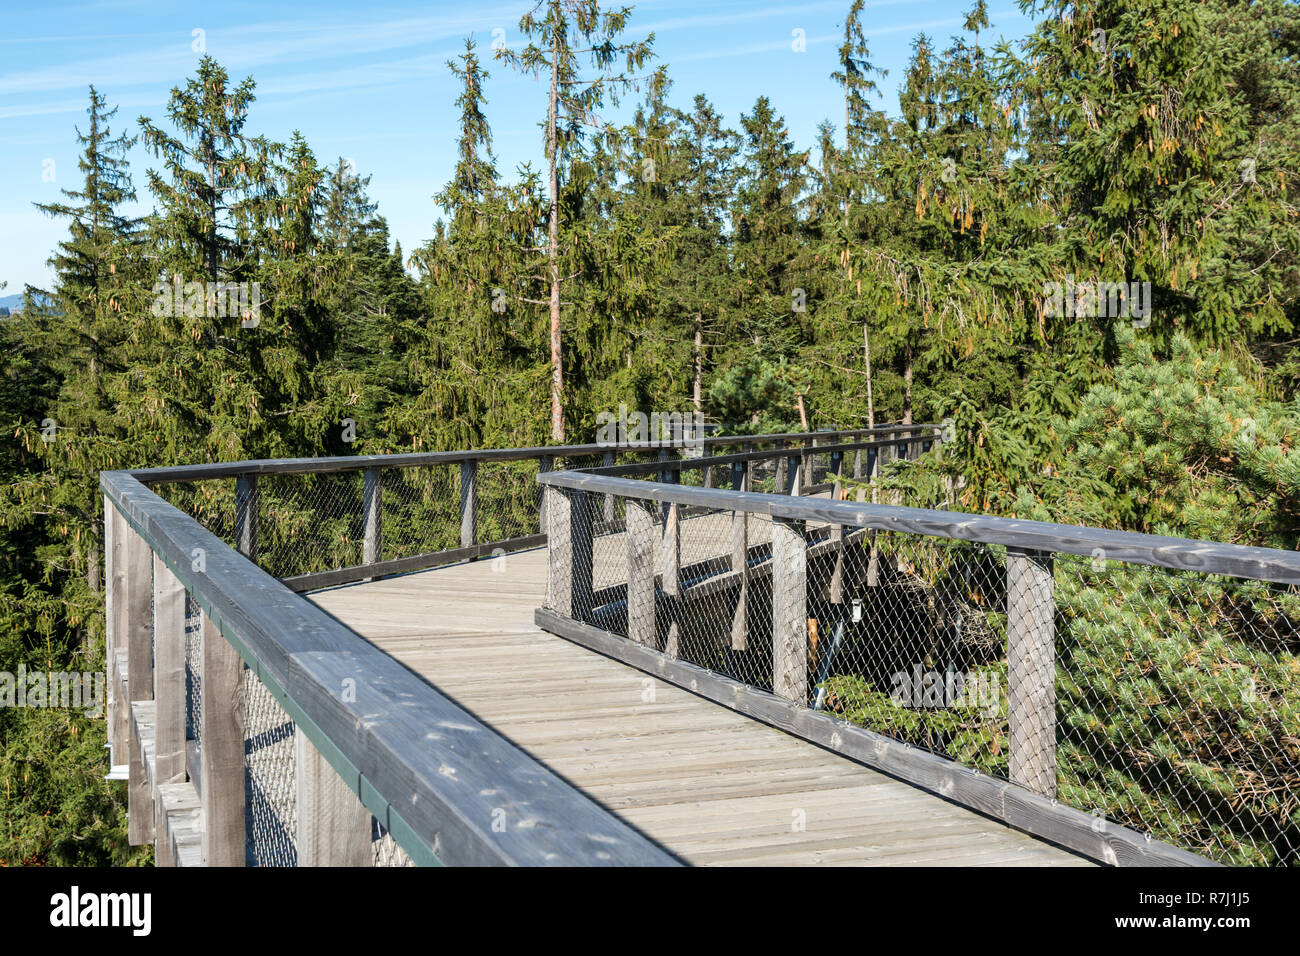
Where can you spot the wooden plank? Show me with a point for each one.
(115, 599)
(326, 465)
(789, 611)
(569, 550)
(222, 714)
(135, 627)
(372, 510)
(247, 506)
(334, 827)
(1264, 564)
(670, 554)
(641, 623)
(1019, 808)
(416, 562)
(1031, 671)
(170, 692)
(468, 503)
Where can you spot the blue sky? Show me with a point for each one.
(368, 81)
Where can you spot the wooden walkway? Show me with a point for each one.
(710, 785)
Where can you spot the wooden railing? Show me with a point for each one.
(370, 737)
(640, 621)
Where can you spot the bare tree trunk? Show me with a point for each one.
(699, 363)
(907, 387)
(803, 414)
(553, 253)
(866, 353)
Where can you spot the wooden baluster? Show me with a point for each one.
(641, 623)
(222, 777)
(372, 496)
(789, 610)
(569, 553)
(247, 503)
(334, 827)
(670, 573)
(135, 624)
(1031, 670)
(468, 503)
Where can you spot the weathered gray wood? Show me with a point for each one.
(794, 472)
(641, 623)
(415, 562)
(222, 714)
(411, 776)
(333, 824)
(740, 565)
(670, 565)
(372, 498)
(324, 465)
(789, 611)
(169, 673)
(1031, 671)
(247, 506)
(1029, 812)
(118, 733)
(468, 503)
(607, 461)
(1263, 564)
(569, 549)
(545, 465)
(135, 626)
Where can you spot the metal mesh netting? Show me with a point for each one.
(1164, 701)
(270, 778)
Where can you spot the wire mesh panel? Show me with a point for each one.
(193, 672)
(421, 510)
(270, 778)
(385, 850)
(309, 522)
(1179, 706)
(508, 500)
(908, 638)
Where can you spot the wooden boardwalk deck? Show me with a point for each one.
(710, 785)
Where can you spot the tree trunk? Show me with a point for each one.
(866, 353)
(907, 387)
(697, 393)
(803, 414)
(553, 252)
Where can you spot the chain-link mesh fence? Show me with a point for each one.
(1164, 701)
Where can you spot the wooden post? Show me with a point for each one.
(114, 596)
(468, 503)
(706, 451)
(222, 777)
(169, 607)
(740, 560)
(547, 464)
(333, 825)
(1031, 670)
(837, 534)
(670, 572)
(372, 497)
(135, 626)
(569, 547)
(794, 473)
(607, 460)
(641, 625)
(789, 611)
(246, 508)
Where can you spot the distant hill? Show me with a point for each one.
(14, 303)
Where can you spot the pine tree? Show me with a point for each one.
(560, 32)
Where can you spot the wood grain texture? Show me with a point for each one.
(222, 715)
(707, 783)
(333, 824)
